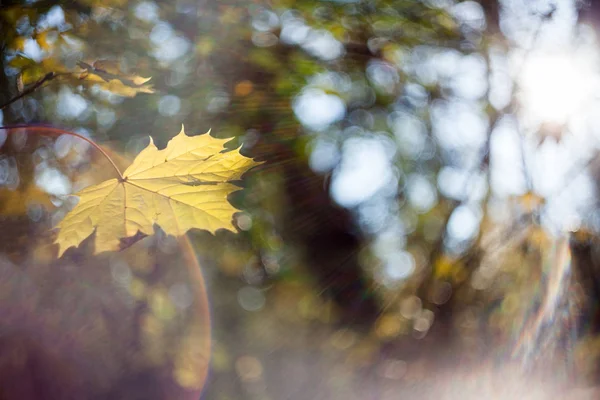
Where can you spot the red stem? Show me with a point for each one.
(57, 131)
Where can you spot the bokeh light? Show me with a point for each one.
(423, 221)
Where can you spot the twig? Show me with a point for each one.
(56, 131)
(48, 77)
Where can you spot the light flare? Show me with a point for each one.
(547, 330)
(555, 87)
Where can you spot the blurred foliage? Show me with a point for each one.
(378, 243)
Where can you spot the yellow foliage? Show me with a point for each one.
(539, 238)
(42, 40)
(107, 75)
(16, 202)
(446, 267)
(181, 187)
(118, 87)
(33, 72)
(19, 43)
(243, 88)
(530, 201)
(101, 73)
(389, 326)
(205, 46)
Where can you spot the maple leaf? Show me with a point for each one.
(101, 73)
(106, 75)
(180, 187)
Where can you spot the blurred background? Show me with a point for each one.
(425, 220)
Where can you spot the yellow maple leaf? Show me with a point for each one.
(100, 73)
(107, 75)
(180, 187)
(118, 87)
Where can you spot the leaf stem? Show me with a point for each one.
(56, 132)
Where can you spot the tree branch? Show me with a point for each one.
(48, 77)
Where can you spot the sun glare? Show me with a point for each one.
(556, 87)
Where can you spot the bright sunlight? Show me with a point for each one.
(555, 87)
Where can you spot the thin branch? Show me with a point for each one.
(48, 77)
(57, 131)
